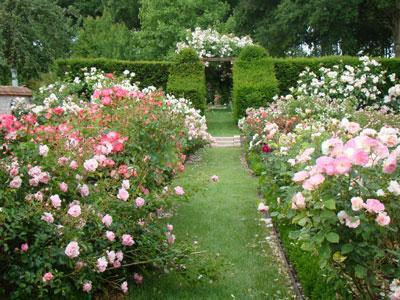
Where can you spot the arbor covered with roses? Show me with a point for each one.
(82, 184)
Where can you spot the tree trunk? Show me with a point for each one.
(14, 76)
(396, 31)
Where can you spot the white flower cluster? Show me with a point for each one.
(211, 43)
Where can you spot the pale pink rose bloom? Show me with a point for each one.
(55, 201)
(72, 250)
(300, 176)
(124, 287)
(44, 177)
(342, 165)
(16, 182)
(87, 286)
(357, 203)
(179, 191)
(380, 150)
(170, 238)
(390, 164)
(84, 190)
(126, 184)
(262, 208)
(73, 165)
(307, 185)
(39, 196)
(24, 247)
(101, 264)
(127, 240)
(305, 156)
(90, 165)
(35, 171)
(324, 163)
(374, 206)
(352, 222)
(170, 227)
(116, 264)
(74, 210)
(110, 236)
(330, 144)
(342, 216)
(47, 277)
(138, 278)
(119, 255)
(382, 219)
(123, 194)
(62, 161)
(394, 187)
(14, 171)
(353, 127)
(47, 217)
(317, 179)
(215, 178)
(139, 202)
(111, 256)
(107, 220)
(63, 187)
(298, 201)
(34, 181)
(43, 150)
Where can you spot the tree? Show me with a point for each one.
(32, 34)
(100, 37)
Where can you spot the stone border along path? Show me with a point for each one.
(226, 141)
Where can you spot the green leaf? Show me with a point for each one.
(332, 237)
(330, 204)
(360, 271)
(347, 248)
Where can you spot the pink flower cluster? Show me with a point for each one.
(111, 142)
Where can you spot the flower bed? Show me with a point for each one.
(331, 183)
(83, 183)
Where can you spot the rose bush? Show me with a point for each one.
(83, 183)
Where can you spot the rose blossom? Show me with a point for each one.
(55, 201)
(47, 277)
(262, 208)
(390, 164)
(111, 256)
(138, 278)
(215, 178)
(382, 219)
(90, 165)
(74, 210)
(39, 196)
(24, 247)
(72, 250)
(300, 176)
(47, 217)
(179, 191)
(107, 220)
(43, 150)
(63, 187)
(139, 202)
(170, 227)
(357, 203)
(127, 240)
(394, 188)
(110, 235)
(87, 286)
(16, 182)
(124, 287)
(374, 205)
(170, 238)
(73, 165)
(101, 264)
(119, 255)
(125, 184)
(123, 194)
(84, 190)
(352, 222)
(298, 201)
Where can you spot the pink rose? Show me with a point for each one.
(74, 210)
(179, 191)
(298, 201)
(116, 264)
(170, 227)
(72, 250)
(123, 194)
(24, 247)
(342, 216)
(382, 219)
(138, 278)
(90, 165)
(101, 264)
(110, 236)
(55, 201)
(170, 238)
(124, 287)
(127, 240)
(215, 178)
(73, 165)
(300, 176)
(16, 182)
(342, 165)
(62, 161)
(84, 190)
(119, 255)
(63, 187)
(111, 256)
(43, 150)
(357, 203)
(107, 220)
(87, 286)
(374, 206)
(390, 165)
(106, 101)
(47, 277)
(47, 217)
(125, 184)
(39, 196)
(262, 208)
(139, 202)
(352, 222)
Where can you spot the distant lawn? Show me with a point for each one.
(221, 123)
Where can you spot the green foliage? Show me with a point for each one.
(101, 37)
(253, 52)
(254, 84)
(147, 72)
(187, 79)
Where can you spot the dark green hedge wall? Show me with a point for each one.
(5, 75)
(254, 84)
(187, 79)
(148, 73)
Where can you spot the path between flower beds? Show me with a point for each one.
(221, 217)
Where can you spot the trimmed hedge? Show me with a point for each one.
(148, 73)
(287, 70)
(254, 84)
(5, 75)
(187, 79)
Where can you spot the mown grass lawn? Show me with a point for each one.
(220, 123)
(222, 218)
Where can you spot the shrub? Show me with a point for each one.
(146, 72)
(253, 52)
(254, 84)
(187, 78)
